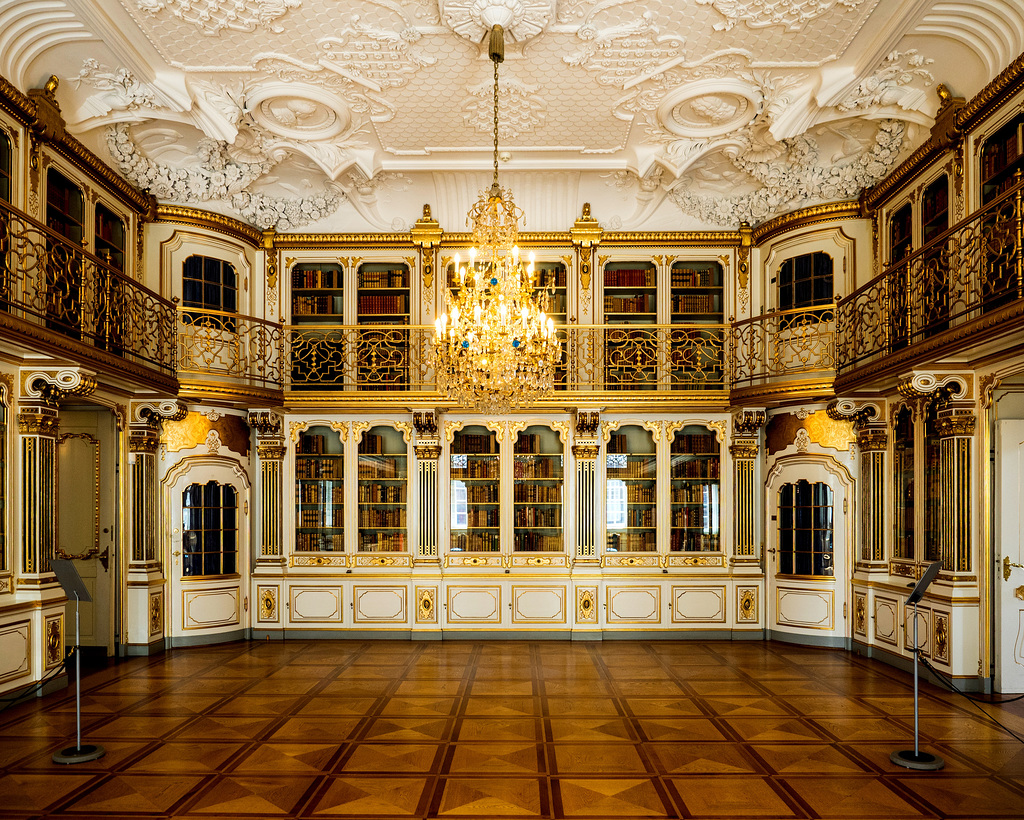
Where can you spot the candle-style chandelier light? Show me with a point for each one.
(495, 349)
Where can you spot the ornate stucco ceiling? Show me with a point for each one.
(664, 114)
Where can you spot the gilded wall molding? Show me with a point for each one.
(226, 225)
(766, 231)
(919, 384)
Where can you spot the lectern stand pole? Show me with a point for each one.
(78, 753)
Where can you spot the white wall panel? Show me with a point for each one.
(14, 650)
(704, 605)
(315, 604)
(634, 605)
(379, 604)
(538, 605)
(810, 609)
(206, 608)
(474, 605)
(886, 620)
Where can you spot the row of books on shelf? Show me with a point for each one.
(319, 493)
(695, 468)
(694, 303)
(682, 541)
(317, 306)
(694, 443)
(482, 494)
(641, 303)
(382, 519)
(638, 494)
(630, 278)
(529, 444)
(632, 542)
(475, 542)
(311, 444)
(637, 517)
(318, 468)
(692, 278)
(382, 467)
(482, 517)
(633, 469)
(692, 493)
(472, 443)
(536, 542)
(379, 303)
(383, 278)
(477, 469)
(326, 517)
(551, 278)
(690, 517)
(316, 278)
(537, 493)
(546, 517)
(936, 205)
(544, 468)
(382, 542)
(319, 542)
(381, 493)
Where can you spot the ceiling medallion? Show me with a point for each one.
(294, 111)
(709, 108)
(474, 19)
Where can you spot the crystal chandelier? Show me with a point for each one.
(494, 347)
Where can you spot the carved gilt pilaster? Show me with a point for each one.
(744, 450)
(427, 448)
(270, 449)
(955, 427)
(585, 447)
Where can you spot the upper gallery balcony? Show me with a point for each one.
(960, 293)
(59, 298)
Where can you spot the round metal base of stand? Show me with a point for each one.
(79, 754)
(919, 760)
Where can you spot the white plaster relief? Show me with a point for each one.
(891, 83)
(119, 89)
(212, 16)
(521, 110)
(621, 54)
(473, 19)
(793, 14)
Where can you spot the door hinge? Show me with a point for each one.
(245, 603)
(844, 504)
(844, 611)
(245, 507)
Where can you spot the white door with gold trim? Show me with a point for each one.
(208, 504)
(808, 536)
(1009, 578)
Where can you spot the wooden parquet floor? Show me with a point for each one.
(488, 729)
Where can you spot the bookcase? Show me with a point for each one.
(935, 209)
(695, 298)
(319, 491)
(631, 470)
(552, 277)
(109, 241)
(65, 206)
(903, 485)
(475, 474)
(901, 239)
(318, 292)
(931, 499)
(383, 307)
(630, 297)
(383, 491)
(537, 490)
(6, 167)
(695, 483)
(1002, 155)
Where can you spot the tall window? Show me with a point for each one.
(209, 284)
(6, 166)
(805, 529)
(209, 526)
(805, 281)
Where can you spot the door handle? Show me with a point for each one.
(176, 553)
(1007, 567)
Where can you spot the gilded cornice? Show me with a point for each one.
(916, 162)
(743, 450)
(330, 241)
(849, 209)
(211, 221)
(958, 425)
(872, 440)
(821, 389)
(15, 103)
(1009, 81)
(673, 238)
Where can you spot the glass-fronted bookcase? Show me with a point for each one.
(319, 491)
(695, 475)
(383, 491)
(631, 475)
(475, 491)
(538, 474)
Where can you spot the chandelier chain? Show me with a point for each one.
(495, 122)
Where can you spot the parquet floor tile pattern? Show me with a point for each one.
(489, 729)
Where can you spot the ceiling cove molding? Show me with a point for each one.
(29, 29)
(984, 26)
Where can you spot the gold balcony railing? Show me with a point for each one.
(969, 273)
(243, 349)
(50, 282)
(785, 345)
(595, 358)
